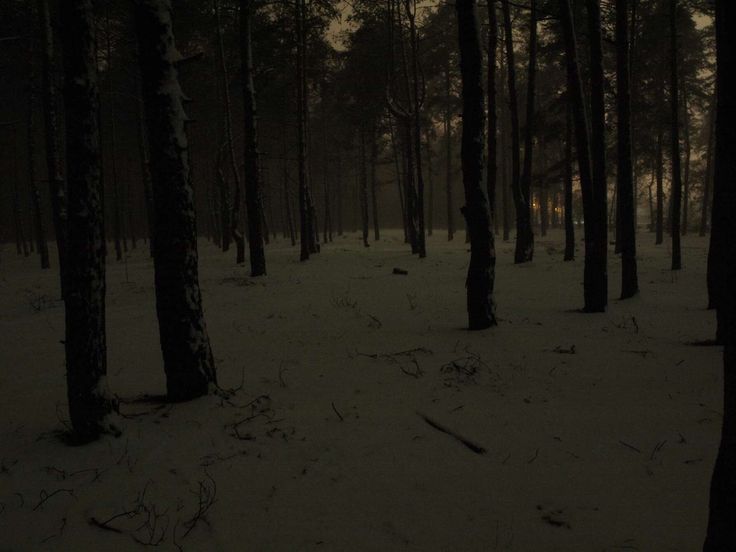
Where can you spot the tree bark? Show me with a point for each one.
(234, 229)
(188, 361)
(90, 406)
(569, 224)
(363, 189)
(448, 155)
(515, 140)
(625, 172)
(675, 137)
(492, 169)
(481, 272)
(595, 268)
(721, 534)
(708, 177)
(38, 219)
(253, 188)
(524, 233)
(57, 189)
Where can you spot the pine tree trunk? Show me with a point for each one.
(625, 173)
(234, 229)
(430, 186)
(591, 288)
(146, 174)
(675, 137)
(38, 219)
(492, 169)
(374, 184)
(363, 189)
(448, 155)
(117, 224)
(708, 177)
(569, 223)
(253, 191)
(515, 140)
(721, 534)
(524, 233)
(481, 272)
(659, 226)
(188, 361)
(598, 297)
(686, 176)
(57, 188)
(90, 406)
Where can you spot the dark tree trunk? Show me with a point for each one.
(57, 190)
(708, 177)
(146, 176)
(686, 176)
(363, 189)
(188, 361)
(569, 224)
(625, 173)
(595, 268)
(598, 298)
(340, 186)
(399, 177)
(417, 130)
(448, 155)
(234, 230)
(90, 406)
(721, 535)
(524, 233)
(481, 272)
(659, 226)
(117, 219)
(253, 191)
(675, 137)
(374, 185)
(306, 208)
(430, 187)
(515, 144)
(38, 219)
(492, 169)
(21, 244)
(503, 177)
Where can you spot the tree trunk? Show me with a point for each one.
(708, 178)
(524, 233)
(430, 186)
(90, 406)
(117, 224)
(569, 223)
(188, 361)
(675, 137)
(598, 297)
(592, 271)
(721, 533)
(146, 175)
(492, 169)
(686, 176)
(253, 191)
(57, 190)
(625, 173)
(515, 145)
(374, 184)
(21, 244)
(481, 272)
(448, 154)
(38, 219)
(659, 226)
(234, 229)
(363, 189)
(399, 177)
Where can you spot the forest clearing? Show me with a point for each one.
(600, 430)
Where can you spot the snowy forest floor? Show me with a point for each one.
(600, 430)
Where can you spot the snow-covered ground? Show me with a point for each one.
(599, 430)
